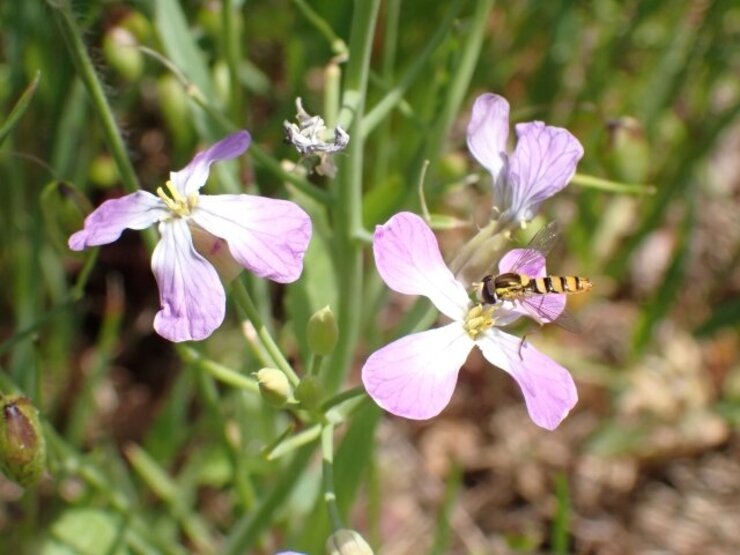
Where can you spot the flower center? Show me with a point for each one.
(478, 320)
(179, 205)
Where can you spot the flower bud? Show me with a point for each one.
(22, 445)
(122, 52)
(274, 387)
(347, 542)
(322, 332)
(309, 392)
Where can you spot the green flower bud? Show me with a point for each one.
(22, 445)
(322, 332)
(309, 392)
(103, 171)
(122, 53)
(347, 542)
(274, 386)
(138, 25)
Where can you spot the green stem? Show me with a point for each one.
(244, 533)
(327, 467)
(231, 53)
(591, 182)
(78, 52)
(218, 371)
(243, 299)
(348, 208)
(340, 398)
(243, 485)
(337, 44)
(394, 95)
(315, 364)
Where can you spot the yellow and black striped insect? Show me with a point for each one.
(531, 292)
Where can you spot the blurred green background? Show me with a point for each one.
(148, 454)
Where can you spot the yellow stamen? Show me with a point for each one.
(176, 202)
(478, 320)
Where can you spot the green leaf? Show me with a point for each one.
(81, 531)
(19, 109)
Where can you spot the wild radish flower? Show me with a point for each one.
(542, 163)
(267, 236)
(415, 376)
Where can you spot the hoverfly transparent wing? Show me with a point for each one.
(540, 246)
(550, 309)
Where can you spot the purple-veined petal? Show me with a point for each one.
(488, 131)
(523, 261)
(548, 388)
(542, 308)
(408, 259)
(267, 236)
(105, 224)
(543, 162)
(415, 376)
(193, 176)
(191, 295)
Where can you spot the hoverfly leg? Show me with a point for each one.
(521, 346)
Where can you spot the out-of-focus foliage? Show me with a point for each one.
(157, 449)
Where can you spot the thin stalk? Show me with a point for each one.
(222, 373)
(348, 208)
(337, 44)
(327, 472)
(243, 485)
(231, 53)
(85, 69)
(358, 391)
(245, 302)
(394, 95)
(591, 182)
(245, 532)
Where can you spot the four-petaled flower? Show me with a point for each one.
(267, 236)
(542, 163)
(415, 375)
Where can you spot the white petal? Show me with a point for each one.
(192, 297)
(267, 236)
(408, 259)
(548, 388)
(488, 131)
(415, 376)
(193, 176)
(105, 224)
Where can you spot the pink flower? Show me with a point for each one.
(267, 236)
(415, 376)
(542, 163)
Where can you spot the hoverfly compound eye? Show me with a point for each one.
(485, 292)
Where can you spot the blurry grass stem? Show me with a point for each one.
(348, 207)
(86, 71)
(245, 302)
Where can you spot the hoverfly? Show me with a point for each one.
(534, 294)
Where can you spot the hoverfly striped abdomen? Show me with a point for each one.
(559, 284)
